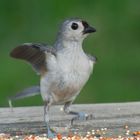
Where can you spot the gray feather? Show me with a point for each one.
(92, 58)
(28, 92)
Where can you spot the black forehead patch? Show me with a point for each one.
(85, 24)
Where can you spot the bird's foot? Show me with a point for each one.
(51, 134)
(82, 116)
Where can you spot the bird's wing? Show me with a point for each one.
(28, 92)
(92, 58)
(92, 61)
(35, 54)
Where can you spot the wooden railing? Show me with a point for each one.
(113, 117)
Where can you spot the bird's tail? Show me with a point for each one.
(28, 92)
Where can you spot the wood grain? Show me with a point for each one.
(114, 116)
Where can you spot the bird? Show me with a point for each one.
(64, 67)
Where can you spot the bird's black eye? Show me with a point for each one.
(74, 26)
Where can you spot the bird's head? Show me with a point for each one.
(75, 30)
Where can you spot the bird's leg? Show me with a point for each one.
(50, 132)
(79, 115)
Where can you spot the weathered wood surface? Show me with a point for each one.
(111, 116)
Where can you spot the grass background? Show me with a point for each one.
(116, 44)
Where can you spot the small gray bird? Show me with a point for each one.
(64, 68)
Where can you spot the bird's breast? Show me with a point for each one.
(67, 76)
(72, 75)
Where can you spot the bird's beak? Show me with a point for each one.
(89, 29)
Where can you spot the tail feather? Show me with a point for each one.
(28, 92)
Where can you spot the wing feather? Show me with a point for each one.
(35, 54)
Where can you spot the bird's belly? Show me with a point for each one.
(68, 85)
(66, 94)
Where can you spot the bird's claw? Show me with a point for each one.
(51, 133)
(82, 116)
(89, 117)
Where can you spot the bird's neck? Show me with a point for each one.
(63, 44)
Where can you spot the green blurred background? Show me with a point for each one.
(116, 44)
